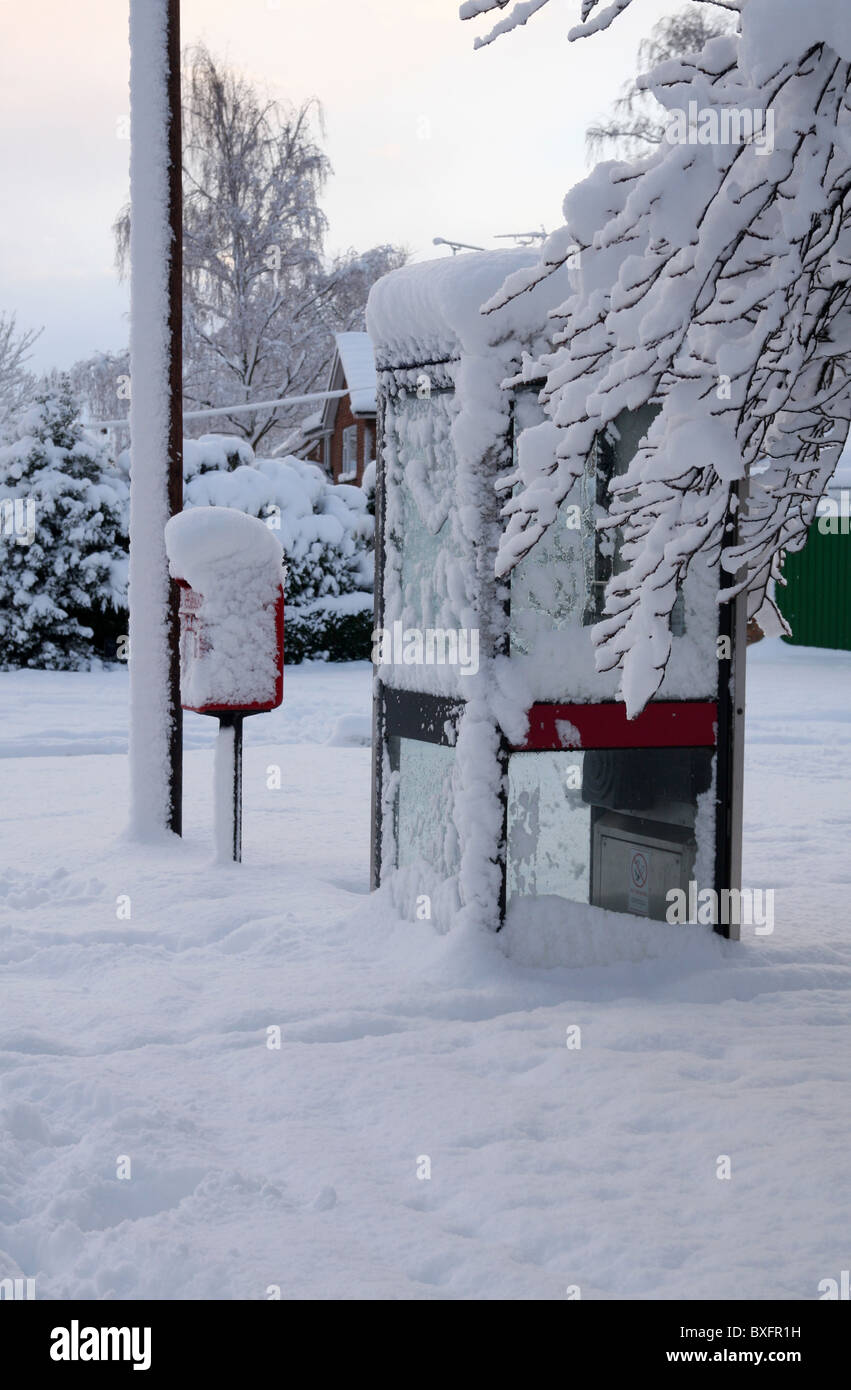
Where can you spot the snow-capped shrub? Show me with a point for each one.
(326, 533)
(63, 540)
(209, 453)
(213, 453)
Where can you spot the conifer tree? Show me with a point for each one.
(63, 576)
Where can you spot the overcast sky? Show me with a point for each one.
(427, 137)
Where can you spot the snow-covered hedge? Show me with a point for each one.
(64, 516)
(214, 452)
(326, 532)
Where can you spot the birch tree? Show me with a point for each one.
(261, 300)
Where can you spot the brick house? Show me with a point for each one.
(341, 436)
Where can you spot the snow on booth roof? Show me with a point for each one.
(431, 311)
(358, 363)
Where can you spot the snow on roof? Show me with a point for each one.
(312, 422)
(429, 311)
(358, 362)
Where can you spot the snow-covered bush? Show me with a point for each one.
(63, 577)
(214, 453)
(326, 533)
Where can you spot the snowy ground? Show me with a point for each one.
(297, 1167)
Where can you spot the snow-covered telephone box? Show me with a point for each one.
(506, 771)
(229, 569)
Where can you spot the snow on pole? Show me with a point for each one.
(155, 413)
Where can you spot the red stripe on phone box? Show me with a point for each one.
(662, 724)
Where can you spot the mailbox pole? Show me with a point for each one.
(228, 792)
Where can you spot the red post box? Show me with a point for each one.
(229, 568)
(196, 646)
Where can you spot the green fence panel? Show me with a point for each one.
(816, 601)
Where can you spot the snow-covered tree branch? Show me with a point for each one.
(637, 121)
(593, 18)
(713, 280)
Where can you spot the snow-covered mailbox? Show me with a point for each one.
(229, 568)
(507, 776)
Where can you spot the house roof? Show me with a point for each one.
(358, 363)
(311, 422)
(353, 370)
